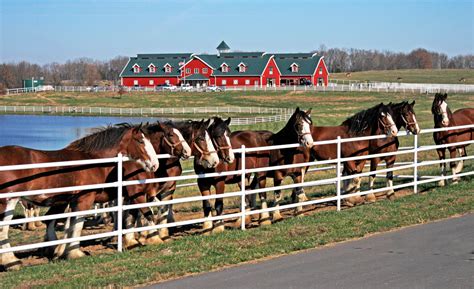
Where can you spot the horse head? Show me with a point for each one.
(206, 153)
(440, 110)
(220, 135)
(137, 146)
(386, 121)
(173, 141)
(405, 112)
(302, 123)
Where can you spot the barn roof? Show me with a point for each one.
(159, 61)
(223, 46)
(307, 63)
(254, 65)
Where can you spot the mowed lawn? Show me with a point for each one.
(447, 76)
(198, 253)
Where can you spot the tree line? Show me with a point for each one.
(86, 71)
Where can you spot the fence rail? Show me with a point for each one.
(270, 114)
(333, 85)
(120, 208)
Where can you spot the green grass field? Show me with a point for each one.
(193, 254)
(451, 76)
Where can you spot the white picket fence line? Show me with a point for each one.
(276, 114)
(120, 183)
(333, 85)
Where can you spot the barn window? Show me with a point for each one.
(236, 81)
(204, 70)
(270, 70)
(136, 68)
(242, 67)
(247, 81)
(224, 67)
(167, 68)
(196, 70)
(320, 70)
(294, 67)
(135, 82)
(188, 70)
(151, 82)
(151, 68)
(224, 82)
(255, 82)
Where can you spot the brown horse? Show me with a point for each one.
(201, 147)
(297, 129)
(373, 121)
(130, 141)
(443, 117)
(404, 116)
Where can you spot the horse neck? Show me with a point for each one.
(397, 115)
(286, 135)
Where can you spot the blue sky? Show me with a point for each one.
(54, 30)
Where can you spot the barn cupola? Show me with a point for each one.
(151, 68)
(223, 48)
(294, 67)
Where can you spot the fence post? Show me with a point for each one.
(338, 172)
(119, 202)
(242, 179)
(415, 161)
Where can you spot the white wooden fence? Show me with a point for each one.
(334, 85)
(276, 114)
(416, 180)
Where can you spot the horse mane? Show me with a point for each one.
(218, 126)
(362, 120)
(187, 127)
(102, 139)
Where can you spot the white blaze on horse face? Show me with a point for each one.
(444, 112)
(186, 148)
(231, 152)
(417, 127)
(152, 163)
(212, 158)
(393, 127)
(307, 137)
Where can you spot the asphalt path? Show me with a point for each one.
(434, 255)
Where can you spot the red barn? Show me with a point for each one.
(225, 69)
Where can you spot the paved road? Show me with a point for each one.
(435, 255)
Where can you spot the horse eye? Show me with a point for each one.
(140, 141)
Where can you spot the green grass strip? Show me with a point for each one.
(198, 253)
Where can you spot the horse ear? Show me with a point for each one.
(297, 109)
(137, 128)
(206, 123)
(413, 103)
(227, 121)
(383, 114)
(308, 112)
(445, 96)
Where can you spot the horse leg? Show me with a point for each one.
(299, 195)
(390, 162)
(370, 198)
(30, 226)
(455, 166)
(278, 196)
(207, 226)
(7, 209)
(37, 213)
(219, 225)
(50, 234)
(164, 213)
(351, 185)
(129, 240)
(152, 237)
(442, 156)
(84, 202)
(261, 183)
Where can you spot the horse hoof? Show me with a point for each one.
(129, 244)
(9, 262)
(442, 183)
(75, 254)
(277, 216)
(207, 227)
(299, 212)
(39, 224)
(218, 229)
(155, 240)
(370, 198)
(347, 203)
(265, 222)
(31, 226)
(391, 196)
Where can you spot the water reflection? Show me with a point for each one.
(47, 132)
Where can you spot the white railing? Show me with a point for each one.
(270, 114)
(119, 208)
(334, 85)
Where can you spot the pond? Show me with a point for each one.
(48, 132)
